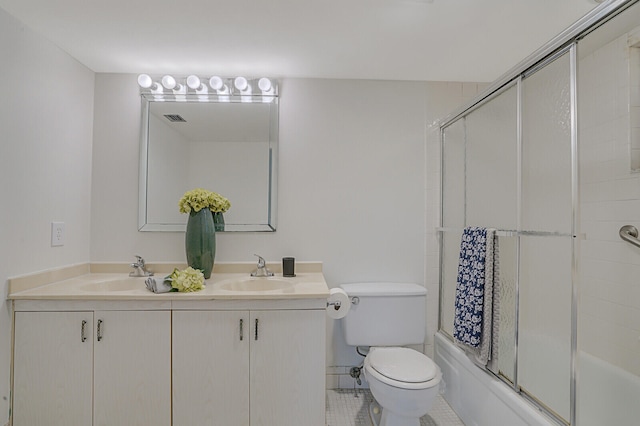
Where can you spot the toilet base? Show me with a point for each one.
(375, 413)
(381, 417)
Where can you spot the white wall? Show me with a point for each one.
(46, 117)
(351, 182)
(352, 176)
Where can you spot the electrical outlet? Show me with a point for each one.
(57, 234)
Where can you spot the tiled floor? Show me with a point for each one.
(345, 409)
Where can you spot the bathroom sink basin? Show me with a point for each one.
(120, 284)
(257, 284)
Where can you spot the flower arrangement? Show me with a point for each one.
(198, 199)
(186, 280)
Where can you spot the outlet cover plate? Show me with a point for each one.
(57, 234)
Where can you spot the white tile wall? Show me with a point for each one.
(609, 315)
(633, 41)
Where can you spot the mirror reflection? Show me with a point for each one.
(226, 147)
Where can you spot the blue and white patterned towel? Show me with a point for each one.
(474, 292)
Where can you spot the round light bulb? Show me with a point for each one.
(241, 83)
(216, 83)
(264, 84)
(193, 81)
(145, 81)
(169, 82)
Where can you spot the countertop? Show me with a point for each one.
(95, 286)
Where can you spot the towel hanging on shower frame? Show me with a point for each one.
(475, 328)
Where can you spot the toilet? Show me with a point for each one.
(386, 317)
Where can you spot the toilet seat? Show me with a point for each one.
(402, 368)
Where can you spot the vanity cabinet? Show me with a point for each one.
(52, 369)
(249, 367)
(92, 368)
(210, 368)
(132, 368)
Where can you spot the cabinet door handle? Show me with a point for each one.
(241, 329)
(99, 330)
(256, 331)
(83, 338)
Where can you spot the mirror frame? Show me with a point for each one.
(269, 226)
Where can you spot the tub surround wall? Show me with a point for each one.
(609, 316)
(46, 117)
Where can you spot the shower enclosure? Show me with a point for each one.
(549, 155)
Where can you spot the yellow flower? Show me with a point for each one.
(187, 280)
(198, 199)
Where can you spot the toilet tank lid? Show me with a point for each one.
(384, 289)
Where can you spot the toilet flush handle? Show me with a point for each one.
(355, 300)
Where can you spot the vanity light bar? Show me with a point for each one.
(245, 89)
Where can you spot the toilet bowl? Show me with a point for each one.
(404, 382)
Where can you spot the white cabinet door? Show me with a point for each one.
(53, 367)
(288, 368)
(132, 373)
(211, 368)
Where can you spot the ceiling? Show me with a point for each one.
(438, 40)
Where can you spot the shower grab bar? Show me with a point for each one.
(629, 233)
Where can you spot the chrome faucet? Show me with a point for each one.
(139, 269)
(261, 270)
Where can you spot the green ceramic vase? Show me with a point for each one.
(200, 241)
(218, 221)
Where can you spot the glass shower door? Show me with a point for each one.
(480, 185)
(609, 312)
(453, 216)
(492, 202)
(546, 243)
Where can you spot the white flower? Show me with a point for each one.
(187, 280)
(198, 199)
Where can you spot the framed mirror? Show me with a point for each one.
(227, 145)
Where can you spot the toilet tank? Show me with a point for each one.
(386, 314)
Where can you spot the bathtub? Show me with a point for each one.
(478, 398)
(608, 395)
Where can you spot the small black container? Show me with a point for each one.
(288, 267)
